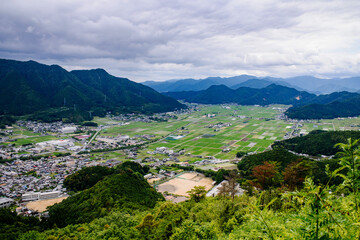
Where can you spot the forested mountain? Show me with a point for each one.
(338, 104)
(306, 105)
(253, 83)
(28, 87)
(348, 107)
(248, 96)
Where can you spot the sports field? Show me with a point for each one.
(185, 182)
(41, 205)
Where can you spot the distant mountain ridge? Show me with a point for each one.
(218, 94)
(28, 87)
(301, 83)
(306, 105)
(191, 84)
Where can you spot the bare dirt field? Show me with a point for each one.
(185, 182)
(41, 205)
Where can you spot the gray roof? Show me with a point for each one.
(5, 200)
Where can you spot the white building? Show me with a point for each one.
(64, 143)
(33, 196)
(68, 129)
(6, 202)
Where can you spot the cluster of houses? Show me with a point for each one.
(109, 142)
(12, 151)
(210, 161)
(42, 179)
(40, 127)
(219, 125)
(148, 118)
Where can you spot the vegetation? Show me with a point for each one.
(282, 156)
(12, 225)
(87, 177)
(6, 120)
(300, 215)
(127, 191)
(308, 211)
(272, 93)
(90, 124)
(219, 94)
(197, 194)
(317, 142)
(345, 108)
(50, 93)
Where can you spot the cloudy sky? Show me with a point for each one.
(170, 39)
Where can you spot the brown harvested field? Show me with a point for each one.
(185, 182)
(41, 205)
(232, 142)
(244, 139)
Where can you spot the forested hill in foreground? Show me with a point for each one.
(28, 87)
(317, 142)
(294, 198)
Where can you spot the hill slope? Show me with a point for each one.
(317, 142)
(27, 87)
(348, 107)
(125, 191)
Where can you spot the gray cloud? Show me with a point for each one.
(160, 39)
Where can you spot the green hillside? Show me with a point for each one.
(126, 191)
(28, 87)
(317, 142)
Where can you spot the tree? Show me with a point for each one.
(87, 177)
(197, 193)
(350, 161)
(266, 175)
(134, 166)
(240, 154)
(229, 187)
(295, 174)
(147, 226)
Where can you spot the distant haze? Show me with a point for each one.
(159, 40)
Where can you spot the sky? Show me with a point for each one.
(168, 39)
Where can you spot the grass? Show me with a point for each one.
(33, 140)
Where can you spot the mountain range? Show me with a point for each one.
(305, 105)
(301, 83)
(271, 94)
(28, 87)
(50, 93)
